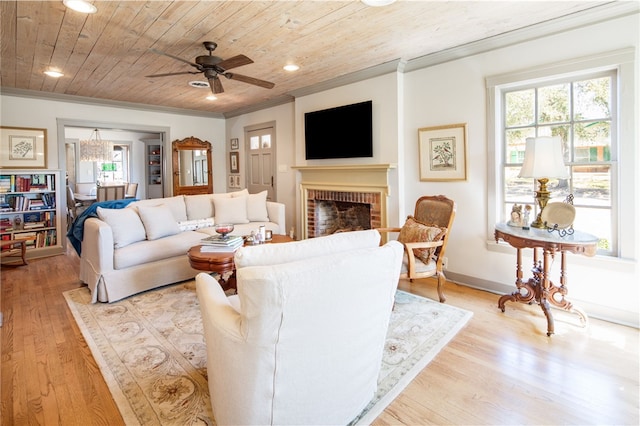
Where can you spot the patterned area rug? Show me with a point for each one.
(150, 349)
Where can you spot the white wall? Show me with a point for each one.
(454, 92)
(28, 112)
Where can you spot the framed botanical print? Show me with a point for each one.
(234, 162)
(23, 148)
(443, 152)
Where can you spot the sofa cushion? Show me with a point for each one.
(176, 204)
(257, 207)
(415, 231)
(240, 193)
(158, 221)
(125, 225)
(146, 251)
(231, 210)
(199, 206)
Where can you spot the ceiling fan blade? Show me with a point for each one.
(236, 61)
(176, 58)
(173, 73)
(216, 85)
(250, 80)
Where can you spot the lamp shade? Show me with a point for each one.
(543, 158)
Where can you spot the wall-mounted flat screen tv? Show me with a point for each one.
(340, 132)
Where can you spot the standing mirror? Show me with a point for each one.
(191, 173)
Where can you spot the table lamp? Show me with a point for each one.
(543, 160)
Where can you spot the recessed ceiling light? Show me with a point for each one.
(378, 3)
(81, 6)
(291, 67)
(211, 98)
(53, 73)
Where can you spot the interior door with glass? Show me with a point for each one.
(261, 161)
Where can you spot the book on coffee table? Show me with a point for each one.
(217, 240)
(218, 249)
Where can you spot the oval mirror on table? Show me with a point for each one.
(191, 167)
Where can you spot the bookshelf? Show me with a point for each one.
(154, 168)
(29, 211)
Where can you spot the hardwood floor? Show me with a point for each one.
(500, 369)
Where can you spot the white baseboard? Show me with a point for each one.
(593, 310)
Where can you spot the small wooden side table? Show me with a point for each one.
(16, 252)
(540, 287)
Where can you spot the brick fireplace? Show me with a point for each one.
(343, 198)
(339, 211)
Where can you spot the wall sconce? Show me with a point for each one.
(543, 160)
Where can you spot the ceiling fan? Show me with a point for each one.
(213, 67)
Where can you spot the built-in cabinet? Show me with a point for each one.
(29, 211)
(154, 168)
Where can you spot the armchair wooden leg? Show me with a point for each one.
(441, 280)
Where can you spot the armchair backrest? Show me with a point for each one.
(306, 344)
(436, 210)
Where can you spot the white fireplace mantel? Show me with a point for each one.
(346, 178)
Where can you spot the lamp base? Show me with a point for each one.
(542, 198)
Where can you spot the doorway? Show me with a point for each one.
(261, 159)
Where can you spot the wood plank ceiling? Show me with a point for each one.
(106, 55)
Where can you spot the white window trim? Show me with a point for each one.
(624, 61)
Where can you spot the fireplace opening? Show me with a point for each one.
(329, 212)
(340, 216)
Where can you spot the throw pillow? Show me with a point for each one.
(240, 193)
(257, 207)
(125, 225)
(158, 221)
(414, 231)
(230, 210)
(192, 225)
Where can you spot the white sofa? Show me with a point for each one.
(302, 341)
(144, 245)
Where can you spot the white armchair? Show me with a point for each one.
(302, 341)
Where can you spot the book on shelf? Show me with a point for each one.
(218, 240)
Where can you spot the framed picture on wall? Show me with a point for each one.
(237, 181)
(235, 143)
(234, 162)
(443, 152)
(23, 148)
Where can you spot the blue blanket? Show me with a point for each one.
(76, 232)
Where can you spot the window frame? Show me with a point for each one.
(622, 64)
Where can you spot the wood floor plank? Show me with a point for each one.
(501, 368)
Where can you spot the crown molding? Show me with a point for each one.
(26, 93)
(591, 16)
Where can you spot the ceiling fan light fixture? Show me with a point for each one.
(53, 73)
(378, 3)
(291, 67)
(81, 6)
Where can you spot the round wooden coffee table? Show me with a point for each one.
(222, 262)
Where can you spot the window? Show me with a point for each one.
(578, 101)
(580, 110)
(118, 169)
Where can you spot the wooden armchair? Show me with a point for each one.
(425, 236)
